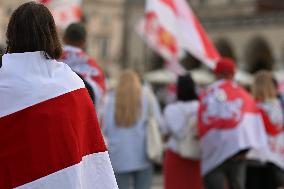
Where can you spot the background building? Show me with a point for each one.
(251, 31)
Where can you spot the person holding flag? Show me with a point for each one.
(49, 133)
(229, 126)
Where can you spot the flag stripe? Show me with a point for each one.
(43, 139)
(29, 82)
(95, 169)
(210, 50)
(231, 141)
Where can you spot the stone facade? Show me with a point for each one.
(248, 30)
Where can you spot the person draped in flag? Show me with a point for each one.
(271, 108)
(74, 55)
(229, 126)
(49, 132)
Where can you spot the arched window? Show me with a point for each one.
(225, 48)
(258, 55)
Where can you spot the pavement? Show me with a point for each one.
(158, 182)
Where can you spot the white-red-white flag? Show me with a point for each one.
(229, 122)
(170, 27)
(64, 12)
(49, 132)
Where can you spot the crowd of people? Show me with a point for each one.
(234, 137)
(219, 137)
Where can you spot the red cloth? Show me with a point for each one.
(181, 173)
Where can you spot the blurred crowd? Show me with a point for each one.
(221, 136)
(190, 160)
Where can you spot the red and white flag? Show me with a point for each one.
(49, 132)
(171, 28)
(229, 122)
(81, 63)
(272, 114)
(64, 12)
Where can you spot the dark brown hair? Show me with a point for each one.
(32, 28)
(186, 89)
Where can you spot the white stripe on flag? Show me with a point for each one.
(220, 144)
(25, 82)
(94, 171)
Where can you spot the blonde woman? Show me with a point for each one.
(264, 90)
(125, 119)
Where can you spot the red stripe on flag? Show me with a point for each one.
(47, 137)
(210, 50)
(171, 5)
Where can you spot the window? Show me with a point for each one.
(103, 46)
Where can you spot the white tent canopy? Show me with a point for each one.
(200, 76)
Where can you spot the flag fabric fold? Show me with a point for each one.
(49, 132)
(228, 122)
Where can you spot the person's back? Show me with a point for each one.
(80, 62)
(229, 125)
(125, 121)
(124, 141)
(42, 143)
(264, 89)
(181, 165)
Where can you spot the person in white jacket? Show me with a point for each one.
(181, 172)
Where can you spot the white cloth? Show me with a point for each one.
(176, 117)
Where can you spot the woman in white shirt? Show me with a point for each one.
(181, 172)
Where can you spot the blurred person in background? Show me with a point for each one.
(2, 50)
(42, 143)
(74, 55)
(229, 126)
(179, 171)
(124, 126)
(265, 92)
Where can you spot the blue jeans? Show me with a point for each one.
(141, 179)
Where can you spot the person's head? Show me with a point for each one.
(75, 35)
(225, 68)
(263, 87)
(186, 89)
(31, 28)
(128, 99)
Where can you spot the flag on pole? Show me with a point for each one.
(64, 12)
(49, 133)
(228, 122)
(171, 28)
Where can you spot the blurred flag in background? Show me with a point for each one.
(64, 11)
(171, 28)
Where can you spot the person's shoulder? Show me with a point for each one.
(62, 70)
(192, 103)
(173, 108)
